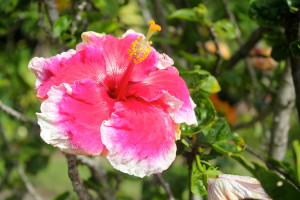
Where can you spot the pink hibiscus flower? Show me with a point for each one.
(235, 187)
(115, 97)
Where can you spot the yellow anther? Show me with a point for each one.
(151, 22)
(152, 29)
(140, 48)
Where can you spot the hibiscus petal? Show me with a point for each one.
(235, 187)
(67, 68)
(164, 61)
(72, 115)
(115, 51)
(139, 138)
(169, 87)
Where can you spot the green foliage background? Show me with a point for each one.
(27, 29)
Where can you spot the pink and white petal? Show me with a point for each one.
(243, 179)
(75, 113)
(117, 60)
(67, 68)
(37, 65)
(164, 61)
(218, 191)
(235, 188)
(50, 132)
(139, 137)
(246, 187)
(131, 31)
(89, 36)
(168, 86)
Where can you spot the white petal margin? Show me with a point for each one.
(131, 31)
(139, 144)
(179, 116)
(164, 61)
(140, 168)
(37, 65)
(235, 187)
(51, 133)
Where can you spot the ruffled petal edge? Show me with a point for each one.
(47, 119)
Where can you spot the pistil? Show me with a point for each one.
(138, 52)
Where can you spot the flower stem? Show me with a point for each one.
(74, 177)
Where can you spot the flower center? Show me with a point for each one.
(138, 52)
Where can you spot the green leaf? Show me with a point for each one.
(193, 79)
(233, 144)
(296, 146)
(277, 187)
(268, 13)
(110, 8)
(199, 179)
(36, 163)
(295, 48)
(201, 80)
(104, 26)
(220, 137)
(188, 129)
(62, 196)
(243, 162)
(186, 14)
(293, 3)
(61, 25)
(198, 60)
(205, 113)
(225, 28)
(8, 6)
(218, 131)
(210, 85)
(283, 165)
(196, 14)
(197, 183)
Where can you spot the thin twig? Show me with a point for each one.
(233, 20)
(74, 177)
(250, 69)
(190, 158)
(262, 115)
(41, 21)
(246, 47)
(256, 154)
(51, 10)
(26, 181)
(240, 41)
(271, 166)
(217, 66)
(78, 17)
(52, 15)
(6, 175)
(98, 173)
(17, 115)
(145, 11)
(20, 169)
(165, 185)
(161, 20)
